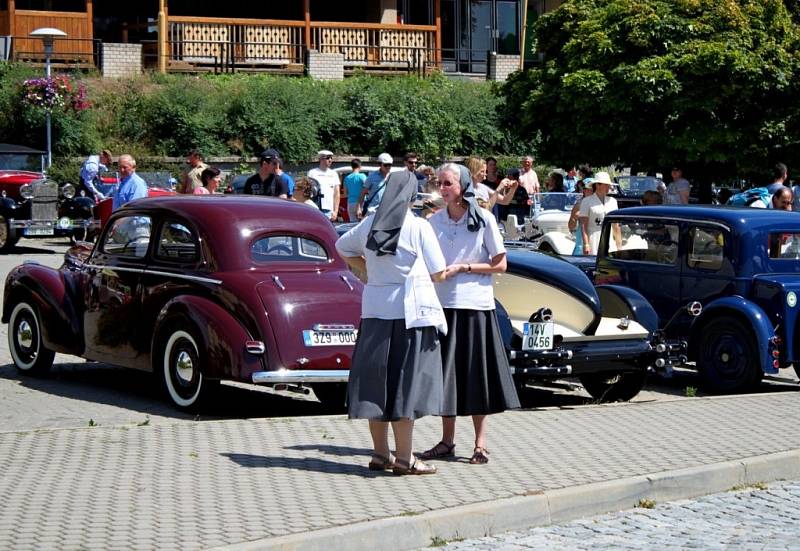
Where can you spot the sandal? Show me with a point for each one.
(417, 467)
(479, 457)
(381, 463)
(439, 451)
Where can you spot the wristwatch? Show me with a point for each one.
(469, 267)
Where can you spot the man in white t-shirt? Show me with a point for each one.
(528, 177)
(328, 184)
(593, 210)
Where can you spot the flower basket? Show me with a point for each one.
(52, 93)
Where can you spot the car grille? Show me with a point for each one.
(45, 201)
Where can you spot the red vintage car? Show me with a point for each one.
(196, 289)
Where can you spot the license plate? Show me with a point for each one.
(46, 230)
(330, 338)
(537, 336)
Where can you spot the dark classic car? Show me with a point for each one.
(742, 264)
(556, 323)
(196, 289)
(32, 205)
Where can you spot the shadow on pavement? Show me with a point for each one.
(328, 449)
(141, 392)
(304, 464)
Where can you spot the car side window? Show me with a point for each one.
(784, 246)
(706, 248)
(128, 236)
(177, 243)
(277, 248)
(646, 241)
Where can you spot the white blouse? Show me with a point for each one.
(384, 293)
(467, 290)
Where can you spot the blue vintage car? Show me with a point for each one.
(742, 265)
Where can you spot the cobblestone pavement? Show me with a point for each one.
(751, 518)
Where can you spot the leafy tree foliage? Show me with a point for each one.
(709, 83)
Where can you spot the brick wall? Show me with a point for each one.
(325, 66)
(122, 60)
(500, 66)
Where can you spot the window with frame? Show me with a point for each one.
(177, 243)
(646, 241)
(784, 246)
(706, 248)
(128, 236)
(281, 248)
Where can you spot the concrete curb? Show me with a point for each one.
(537, 508)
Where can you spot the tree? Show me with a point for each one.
(708, 83)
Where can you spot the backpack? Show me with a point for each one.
(750, 196)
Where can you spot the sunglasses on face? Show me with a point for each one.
(386, 165)
(328, 158)
(411, 162)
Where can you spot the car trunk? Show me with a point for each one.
(298, 301)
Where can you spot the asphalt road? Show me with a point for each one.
(79, 393)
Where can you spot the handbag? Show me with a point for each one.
(422, 306)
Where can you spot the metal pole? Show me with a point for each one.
(48, 50)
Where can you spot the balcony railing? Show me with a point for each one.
(81, 53)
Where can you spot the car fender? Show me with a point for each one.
(223, 336)
(559, 242)
(751, 314)
(504, 322)
(47, 290)
(617, 301)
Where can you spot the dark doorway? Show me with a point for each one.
(473, 28)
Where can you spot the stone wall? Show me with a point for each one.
(325, 66)
(500, 66)
(122, 60)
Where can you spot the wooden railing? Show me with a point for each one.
(194, 41)
(77, 25)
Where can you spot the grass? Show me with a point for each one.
(690, 392)
(753, 486)
(646, 503)
(437, 541)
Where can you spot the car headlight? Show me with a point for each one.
(68, 191)
(26, 191)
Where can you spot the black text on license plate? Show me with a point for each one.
(537, 336)
(330, 338)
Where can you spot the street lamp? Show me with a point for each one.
(48, 34)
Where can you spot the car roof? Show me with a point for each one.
(740, 218)
(7, 148)
(231, 222)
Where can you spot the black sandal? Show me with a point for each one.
(479, 456)
(381, 463)
(439, 451)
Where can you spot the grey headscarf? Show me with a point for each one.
(401, 188)
(474, 217)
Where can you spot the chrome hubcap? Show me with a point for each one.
(185, 367)
(725, 357)
(25, 335)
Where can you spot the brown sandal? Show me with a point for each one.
(416, 467)
(480, 456)
(439, 451)
(381, 463)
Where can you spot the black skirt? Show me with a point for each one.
(477, 377)
(396, 372)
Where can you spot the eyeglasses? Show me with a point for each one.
(411, 162)
(328, 157)
(386, 164)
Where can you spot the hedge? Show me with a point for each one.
(242, 114)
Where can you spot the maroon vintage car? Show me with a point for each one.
(197, 289)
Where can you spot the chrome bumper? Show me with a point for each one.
(63, 223)
(297, 376)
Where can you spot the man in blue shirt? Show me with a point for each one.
(131, 185)
(353, 184)
(372, 192)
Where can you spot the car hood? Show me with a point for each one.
(297, 301)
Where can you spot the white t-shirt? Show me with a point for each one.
(384, 293)
(328, 182)
(595, 210)
(674, 189)
(466, 290)
(530, 181)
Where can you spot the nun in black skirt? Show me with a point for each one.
(395, 377)
(476, 374)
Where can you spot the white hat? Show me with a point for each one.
(324, 153)
(385, 159)
(602, 178)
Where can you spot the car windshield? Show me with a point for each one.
(22, 161)
(553, 201)
(282, 248)
(636, 185)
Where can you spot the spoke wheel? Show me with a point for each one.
(728, 360)
(25, 341)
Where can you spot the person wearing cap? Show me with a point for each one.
(90, 170)
(678, 189)
(593, 211)
(328, 184)
(372, 193)
(281, 185)
(190, 180)
(261, 182)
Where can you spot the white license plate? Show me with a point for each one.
(39, 231)
(537, 336)
(330, 338)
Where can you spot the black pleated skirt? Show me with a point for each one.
(477, 377)
(396, 372)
